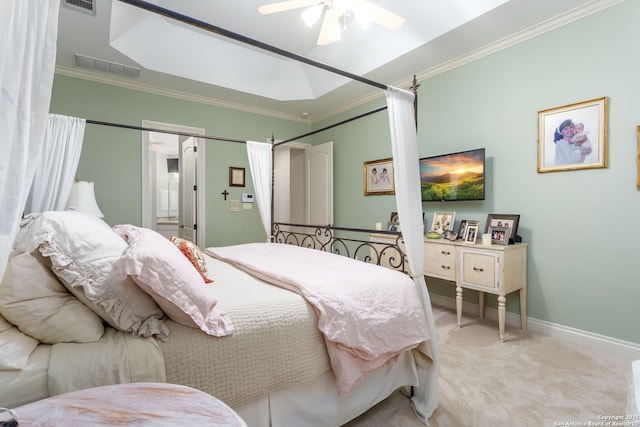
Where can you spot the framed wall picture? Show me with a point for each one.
(472, 234)
(442, 221)
(378, 177)
(573, 136)
(236, 177)
(500, 235)
(503, 220)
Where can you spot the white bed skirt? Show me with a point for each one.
(316, 403)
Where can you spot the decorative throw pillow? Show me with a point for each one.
(193, 249)
(159, 268)
(186, 251)
(82, 249)
(15, 347)
(33, 299)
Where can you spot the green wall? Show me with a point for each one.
(112, 157)
(580, 225)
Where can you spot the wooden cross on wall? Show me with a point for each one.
(225, 193)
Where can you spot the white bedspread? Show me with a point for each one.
(368, 314)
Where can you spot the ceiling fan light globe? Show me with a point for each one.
(342, 6)
(363, 18)
(312, 15)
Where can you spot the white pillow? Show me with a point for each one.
(159, 268)
(33, 299)
(82, 249)
(15, 347)
(4, 325)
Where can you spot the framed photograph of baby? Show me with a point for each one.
(573, 137)
(378, 177)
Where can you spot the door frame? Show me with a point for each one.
(147, 210)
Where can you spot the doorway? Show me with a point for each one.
(173, 181)
(303, 184)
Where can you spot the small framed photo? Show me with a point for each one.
(236, 177)
(394, 217)
(450, 235)
(472, 234)
(502, 220)
(443, 221)
(462, 228)
(378, 177)
(573, 136)
(393, 226)
(500, 235)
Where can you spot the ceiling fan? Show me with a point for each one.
(362, 10)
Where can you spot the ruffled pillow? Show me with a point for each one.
(159, 268)
(33, 299)
(83, 249)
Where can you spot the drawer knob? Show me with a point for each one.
(478, 269)
(445, 253)
(445, 267)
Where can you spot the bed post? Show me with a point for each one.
(414, 88)
(273, 159)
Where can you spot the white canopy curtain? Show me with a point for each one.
(261, 166)
(57, 164)
(28, 37)
(404, 148)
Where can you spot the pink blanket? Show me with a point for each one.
(367, 313)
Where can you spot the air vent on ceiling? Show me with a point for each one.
(106, 66)
(85, 6)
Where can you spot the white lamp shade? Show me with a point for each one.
(82, 198)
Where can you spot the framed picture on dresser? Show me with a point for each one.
(472, 234)
(503, 220)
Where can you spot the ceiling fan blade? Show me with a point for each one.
(330, 30)
(380, 15)
(286, 5)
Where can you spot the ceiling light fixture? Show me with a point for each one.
(334, 11)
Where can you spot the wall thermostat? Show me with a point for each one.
(247, 198)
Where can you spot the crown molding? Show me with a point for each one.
(514, 39)
(133, 85)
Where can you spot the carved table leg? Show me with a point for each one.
(523, 308)
(501, 315)
(459, 304)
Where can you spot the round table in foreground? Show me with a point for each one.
(138, 404)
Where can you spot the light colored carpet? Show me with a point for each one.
(529, 380)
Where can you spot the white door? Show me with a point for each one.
(149, 169)
(188, 179)
(319, 178)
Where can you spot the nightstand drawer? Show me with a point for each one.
(479, 269)
(440, 261)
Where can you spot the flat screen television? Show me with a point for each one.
(455, 176)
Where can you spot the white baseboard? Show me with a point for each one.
(566, 334)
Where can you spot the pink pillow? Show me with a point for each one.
(161, 270)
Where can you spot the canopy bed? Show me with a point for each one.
(276, 356)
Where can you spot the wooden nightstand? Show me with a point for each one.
(493, 269)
